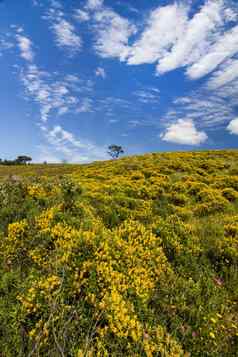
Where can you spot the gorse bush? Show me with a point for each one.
(134, 257)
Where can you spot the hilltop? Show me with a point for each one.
(134, 257)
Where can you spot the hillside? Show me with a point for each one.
(135, 257)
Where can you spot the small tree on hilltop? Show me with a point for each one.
(115, 151)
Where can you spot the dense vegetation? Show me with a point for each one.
(134, 257)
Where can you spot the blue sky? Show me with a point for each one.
(77, 76)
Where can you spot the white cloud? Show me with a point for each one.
(5, 44)
(56, 4)
(229, 93)
(233, 127)
(55, 94)
(231, 15)
(59, 136)
(171, 37)
(165, 25)
(203, 106)
(64, 145)
(227, 73)
(66, 36)
(94, 4)
(81, 15)
(195, 38)
(72, 78)
(85, 106)
(52, 94)
(100, 72)
(111, 105)
(25, 46)
(184, 132)
(224, 48)
(174, 40)
(78, 84)
(112, 33)
(150, 95)
(64, 31)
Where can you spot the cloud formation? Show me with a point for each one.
(113, 32)
(172, 38)
(81, 15)
(184, 132)
(94, 4)
(165, 25)
(66, 36)
(64, 145)
(224, 48)
(233, 127)
(203, 107)
(226, 74)
(55, 95)
(148, 95)
(65, 33)
(25, 47)
(5, 44)
(100, 72)
(194, 39)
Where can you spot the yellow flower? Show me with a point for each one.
(211, 334)
(16, 230)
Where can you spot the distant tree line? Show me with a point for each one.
(113, 150)
(20, 160)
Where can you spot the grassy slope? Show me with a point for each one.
(135, 257)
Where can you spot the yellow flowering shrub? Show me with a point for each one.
(44, 220)
(36, 191)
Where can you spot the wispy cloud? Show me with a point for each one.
(111, 105)
(64, 145)
(81, 15)
(148, 96)
(54, 94)
(100, 72)
(85, 106)
(94, 4)
(60, 137)
(184, 132)
(5, 44)
(65, 33)
(25, 46)
(112, 31)
(207, 111)
(112, 34)
(57, 94)
(66, 36)
(227, 73)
